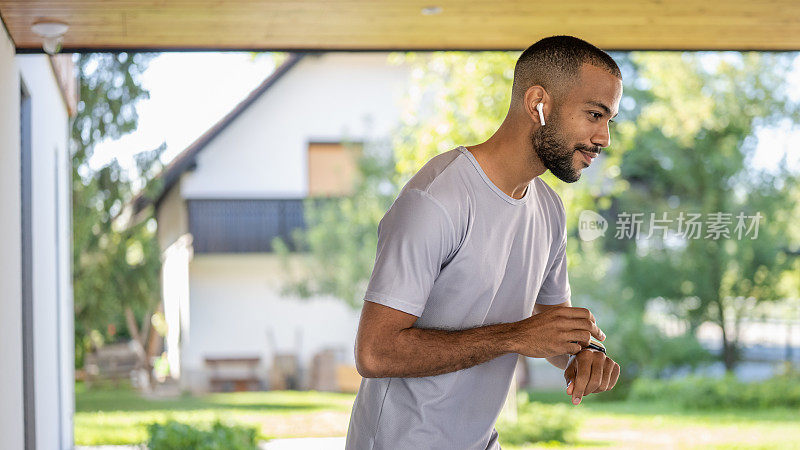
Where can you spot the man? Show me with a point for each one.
(471, 270)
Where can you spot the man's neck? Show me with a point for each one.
(507, 163)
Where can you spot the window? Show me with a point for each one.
(332, 168)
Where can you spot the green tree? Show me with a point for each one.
(115, 269)
(690, 151)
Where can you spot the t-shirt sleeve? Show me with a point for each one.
(415, 238)
(555, 288)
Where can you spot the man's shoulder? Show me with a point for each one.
(441, 180)
(435, 172)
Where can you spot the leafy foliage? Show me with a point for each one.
(539, 422)
(690, 150)
(698, 392)
(114, 267)
(178, 436)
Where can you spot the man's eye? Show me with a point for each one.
(596, 115)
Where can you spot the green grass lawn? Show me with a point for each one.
(120, 416)
(636, 425)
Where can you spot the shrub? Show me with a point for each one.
(174, 435)
(699, 392)
(539, 422)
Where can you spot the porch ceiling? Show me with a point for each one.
(401, 25)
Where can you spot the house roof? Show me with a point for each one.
(187, 159)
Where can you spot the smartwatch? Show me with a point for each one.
(594, 345)
(597, 347)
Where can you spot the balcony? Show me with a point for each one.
(244, 225)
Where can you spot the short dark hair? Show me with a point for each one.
(554, 64)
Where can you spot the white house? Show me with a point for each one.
(242, 183)
(37, 97)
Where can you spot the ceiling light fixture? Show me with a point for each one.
(431, 10)
(52, 34)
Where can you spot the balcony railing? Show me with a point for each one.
(244, 225)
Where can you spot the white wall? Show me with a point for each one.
(330, 97)
(52, 299)
(175, 294)
(235, 302)
(52, 306)
(11, 409)
(172, 218)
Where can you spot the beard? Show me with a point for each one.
(555, 153)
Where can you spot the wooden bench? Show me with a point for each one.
(112, 362)
(233, 374)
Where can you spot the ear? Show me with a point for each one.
(533, 96)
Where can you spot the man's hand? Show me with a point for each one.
(591, 371)
(556, 331)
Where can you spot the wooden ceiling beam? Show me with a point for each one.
(324, 25)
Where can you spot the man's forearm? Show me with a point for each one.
(420, 352)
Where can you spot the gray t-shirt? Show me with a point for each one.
(458, 252)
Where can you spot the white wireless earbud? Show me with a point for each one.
(541, 115)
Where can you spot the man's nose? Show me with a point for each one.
(602, 139)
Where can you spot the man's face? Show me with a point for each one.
(577, 129)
